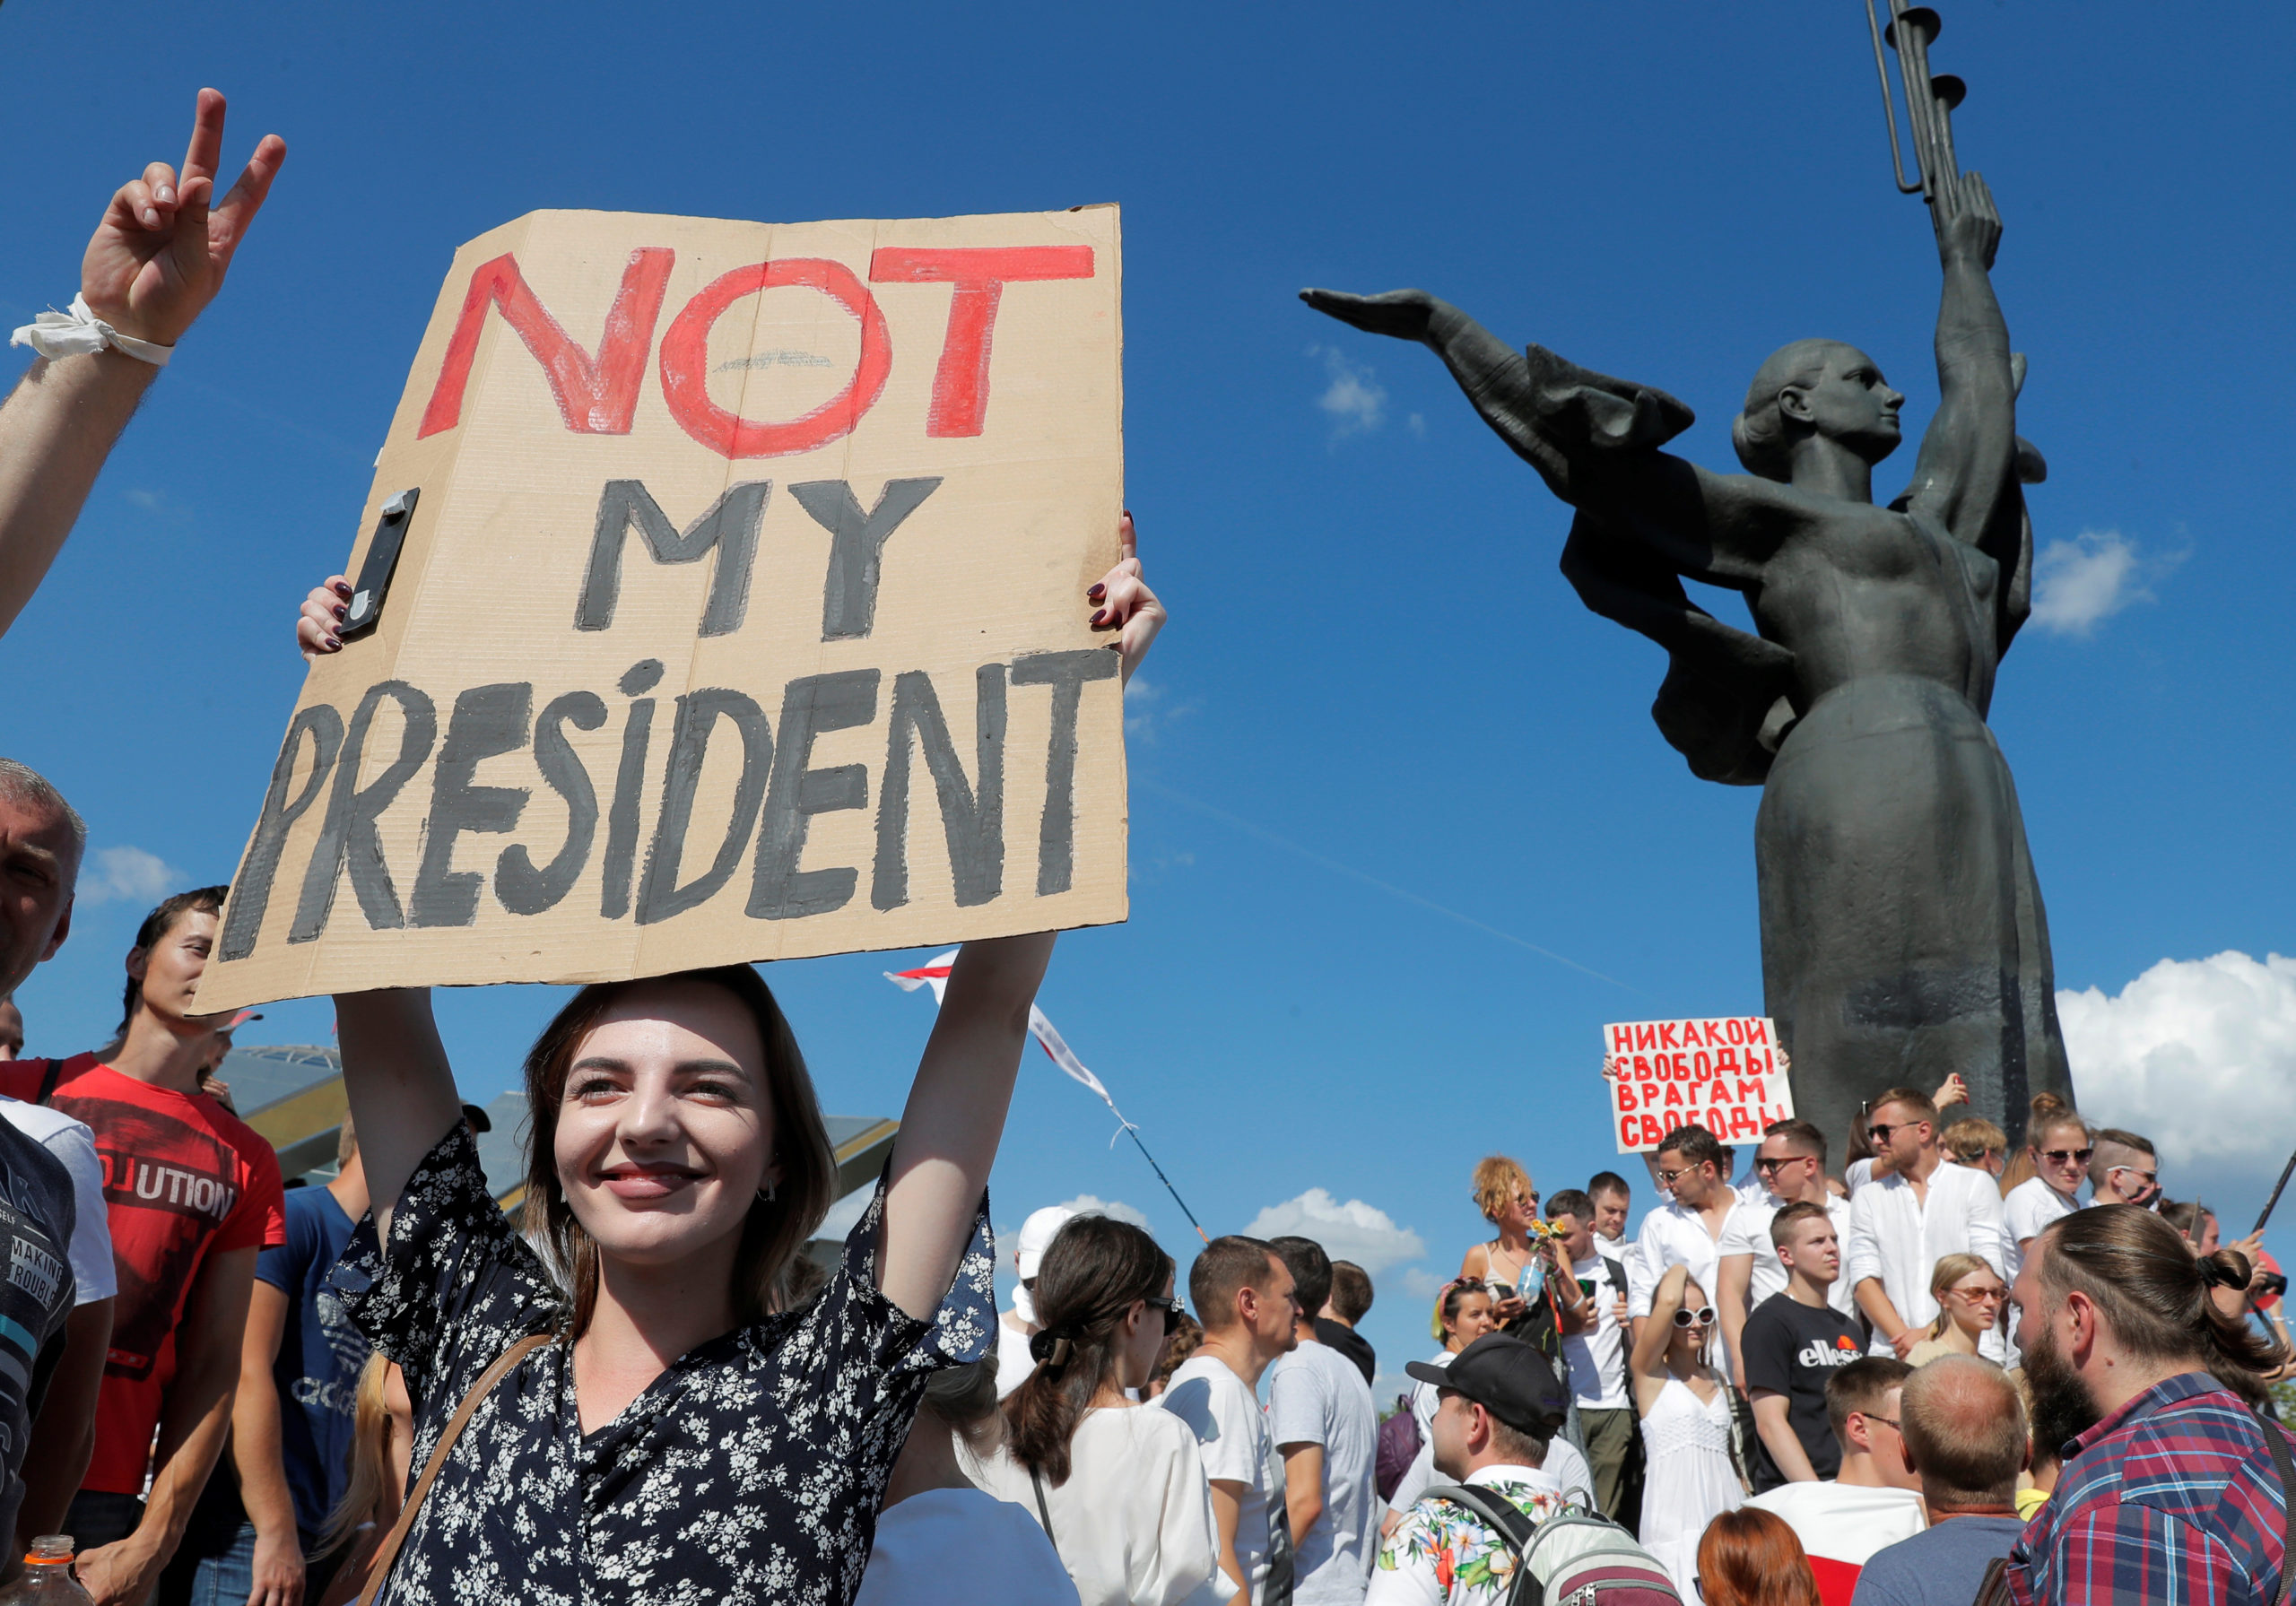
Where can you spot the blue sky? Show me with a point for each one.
(1376, 679)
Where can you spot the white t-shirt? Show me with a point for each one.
(1013, 1361)
(1843, 1524)
(2028, 1212)
(1318, 1396)
(1132, 1523)
(1231, 1436)
(1747, 1232)
(958, 1547)
(1597, 1359)
(1859, 1173)
(94, 1273)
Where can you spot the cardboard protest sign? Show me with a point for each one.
(1728, 1075)
(720, 596)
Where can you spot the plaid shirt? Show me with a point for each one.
(2172, 1499)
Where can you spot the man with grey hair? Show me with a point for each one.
(2122, 1169)
(52, 1338)
(1963, 1433)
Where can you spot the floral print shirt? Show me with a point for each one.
(750, 1471)
(1442, 1554)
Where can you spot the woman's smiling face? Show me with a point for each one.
(665, 1129)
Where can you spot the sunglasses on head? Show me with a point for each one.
(1703, 1316)
(2059, 1156)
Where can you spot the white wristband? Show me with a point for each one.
(80, 332)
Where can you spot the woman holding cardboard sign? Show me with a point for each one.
(658, 1430)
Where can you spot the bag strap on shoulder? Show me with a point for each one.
(49, 1077)
(1044, 1511)
(1994, 1590)
(388, 1551)
(2277, 1440)
(1493, 1507)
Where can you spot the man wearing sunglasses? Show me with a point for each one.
(1687, 1229)
(1902, 1225)
(2123, 1170)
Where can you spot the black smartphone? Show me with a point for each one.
(374, 582)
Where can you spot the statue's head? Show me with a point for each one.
(1815, 388)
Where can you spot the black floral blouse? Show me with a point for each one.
(750, 1471)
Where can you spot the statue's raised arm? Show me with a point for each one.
(1966, 476)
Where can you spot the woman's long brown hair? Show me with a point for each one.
(773, 1234)
(1093, 1272)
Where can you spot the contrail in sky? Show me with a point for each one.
(1313, 857)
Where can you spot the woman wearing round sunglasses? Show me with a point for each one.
(1121, 1490)
(1969, 1298)
(1685, 1428)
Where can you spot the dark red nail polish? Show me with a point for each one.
(1100, 617)
(1096, 593)
(340, 609)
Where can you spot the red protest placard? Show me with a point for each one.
(1725, 1075)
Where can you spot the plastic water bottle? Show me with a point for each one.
(48, 1579)
(1528, 1282)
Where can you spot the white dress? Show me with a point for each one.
(1690, 1480)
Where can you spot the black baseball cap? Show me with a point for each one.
(1506, 1377)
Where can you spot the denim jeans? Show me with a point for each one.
(222, 1575)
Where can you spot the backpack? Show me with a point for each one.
(1575, 1558)
(1398, 1448)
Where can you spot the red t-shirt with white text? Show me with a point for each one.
(183, 1179)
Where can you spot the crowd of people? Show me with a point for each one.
(1934, 1372)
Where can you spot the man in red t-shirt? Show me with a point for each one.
(193, 1196)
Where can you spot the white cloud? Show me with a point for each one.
(128, 873)
(1351, 1231)
(2189, 1053)
(1093, 1204)
(2079, 582)
(1356, 402)
(1421, 1283)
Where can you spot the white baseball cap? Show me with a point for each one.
(1037, 1233)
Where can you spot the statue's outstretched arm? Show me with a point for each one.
(1967, 470)
(1594, 439)
(1495, 375)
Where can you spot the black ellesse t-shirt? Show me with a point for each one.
(1792, 1349)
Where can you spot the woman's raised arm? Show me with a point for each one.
(956, 1115)
(402, 1098)
(1649, 1359)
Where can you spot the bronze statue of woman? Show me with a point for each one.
(1902, 935)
